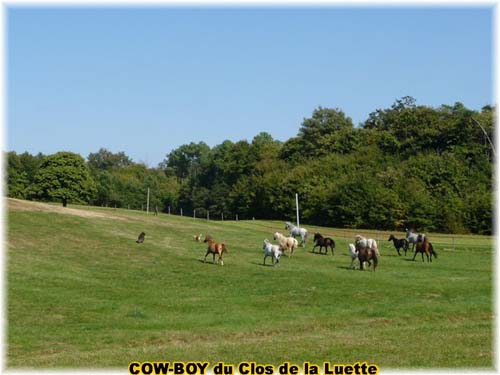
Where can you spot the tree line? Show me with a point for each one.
(405, 166)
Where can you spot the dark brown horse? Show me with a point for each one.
(325, 242)
(365, 254)
(399, 244)
(425, 247)
(215, 248)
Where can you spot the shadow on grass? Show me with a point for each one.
(347, 268)
(208, 262)
(394, 255)
(318, 253)
(264, 265)
(367, 269)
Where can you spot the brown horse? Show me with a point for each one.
(325, 242)
(215, 248)
(365, 254)
(425, 247)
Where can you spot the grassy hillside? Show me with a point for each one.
(82, 294)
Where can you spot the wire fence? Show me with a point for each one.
(443, 242)
(446, 242)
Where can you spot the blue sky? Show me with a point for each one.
(147, 80)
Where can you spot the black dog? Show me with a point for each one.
(141, 237)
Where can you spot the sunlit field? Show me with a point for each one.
(81, 293)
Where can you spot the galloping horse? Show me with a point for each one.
(273, 251)
(414, 238)
(296, 231)
(286, 243)
(367, 250)
(425, 247)
(215, 248)
(370, 243)
(399, 244)
(353, 253)
(325, 242)
(366, 254)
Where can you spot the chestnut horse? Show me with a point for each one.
(215, 248)
(425, 247)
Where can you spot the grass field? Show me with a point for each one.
(82, 294)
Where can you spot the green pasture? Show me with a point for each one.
(82, 294)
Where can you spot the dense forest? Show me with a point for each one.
(406, 166)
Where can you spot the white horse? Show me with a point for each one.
(296, 231)
(366, 243)
(273, 251)
(353, 253)
(286, 243)
(414, 238)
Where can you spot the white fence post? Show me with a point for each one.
(297, 207)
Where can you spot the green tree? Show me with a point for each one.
(64, 176)
(17, 178)
(185, 160)
(317, 135)
(21, 171)
(104, 160)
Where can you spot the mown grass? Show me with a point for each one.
(82, 294)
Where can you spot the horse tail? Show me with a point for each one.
(375, 262)
(375, 248)
(433, 252)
